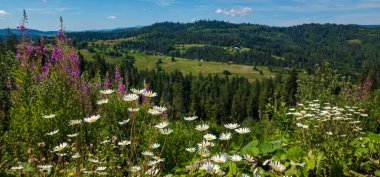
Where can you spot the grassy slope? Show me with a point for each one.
(191, 66)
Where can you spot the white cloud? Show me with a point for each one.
(3, 13)
(239, 11)
(112, 17)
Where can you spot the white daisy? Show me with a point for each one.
(166, 131)
(147, 153)
(60, 147)
(191, 150)
(249, 158)
(133, 109)
(236, 158)
(48, 116)
(75, 122)
(154, 112)
(242, 130)
(160, 108)
(219, 159)
(130, 97)
(101, 168)
(149, 94)
(53, 132)
(225, 136)
(162, 125)
(75, 156)
(231, 126)
(209, 137)
(136, 91)
(277, 166)
(103, 101)
(124, 143)
(73, 135)
(124, 122)
(155, 146)
(93, 160)
(106, 92)
(202, 127)
(135, 169)
(92, 118)
(191, 118)
(17, 168)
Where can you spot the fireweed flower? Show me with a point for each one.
(53, 132)
(242, 130)
(225, 136)
(130, 97)
(103, 101)
(191, 118)
(106, 92)
(75, 122)
(60, 147)
(149, 94)
(209, 137)
(133, 109)
(92, 118)
(162, 125)
(191, 150)
(202, 127)
(124, 122)
(231, 126)
(155, 146)
(166, 131)
(49, 116)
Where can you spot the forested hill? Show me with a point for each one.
(350, 48)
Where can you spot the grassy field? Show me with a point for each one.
(188, 66)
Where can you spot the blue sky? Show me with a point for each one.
(102, 14)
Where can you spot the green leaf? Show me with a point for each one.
(377, 173)
(251, 148)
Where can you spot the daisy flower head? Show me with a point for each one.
(147, 153)
(162, 125)
(20, 167)
(72, 135)
(236, 158)
(75, 156)
(101, 168)
(154, 112)
(53, 132)
(277, 166)
(106, 92)
(231, 126)
(149, 94)
(124, 143)
(160, 108)
(191, 118)
(152, 171)
(209, 137)
(48, 116)
(243, 130)
(124, 122)
(206, 166)
(137, 91)
(103, 101)
(93, 160)
(191, 150)
(75, 122)
(45, 168)
(249, 158)
(133, 109)
(219, 158)
(60, 147)
(135, 169)
(92, 118)
(225, 136)
(155, 146)
(130, 97)
(204, 144)
(204, 152)
(166, 131)
(202, 127)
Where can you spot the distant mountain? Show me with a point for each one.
(31, 32)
